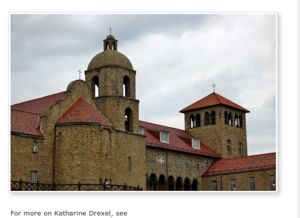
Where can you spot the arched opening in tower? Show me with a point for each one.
(128, 120)
(126, 86)
(95, 86)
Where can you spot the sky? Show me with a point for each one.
(177, 58)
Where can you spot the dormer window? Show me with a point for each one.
(141, 130)
(196, 143)
(164, 137)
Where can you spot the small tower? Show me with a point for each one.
(112, 81)
(219, 123)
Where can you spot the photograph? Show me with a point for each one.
(143, 102)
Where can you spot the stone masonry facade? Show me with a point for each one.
(91, 132)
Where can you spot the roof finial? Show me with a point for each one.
(79, 72)
(214, 86)
(110, 30)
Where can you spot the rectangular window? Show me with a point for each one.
(233, 184)
(228, 146)
(164, 137)
(198, 165)
(177, 161)
(160, 159)
(241, 149)
(196, 143)
(189, 164)
(34, 146)
(33, 176)
(251, 183)
(214, 185)
(272, 182)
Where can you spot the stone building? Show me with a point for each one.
(91, 133)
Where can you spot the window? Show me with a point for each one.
(213, 118)
(126, 86)
(198, 165)
(188, 164)
(177, 161)
(206, 118)
(196, 143)
(141, 130)
(164, 137)
(241, 121)
(128, 120)
(226, 117)
(198, 120)
(251, 183)
(192, 121)
(95, 86)
(233, 184)
(33, 176)
(160, 159)
(228, 146)
(34, 146)
(272, 182)
(240, 148)
(129, 164)
(229, 118)
(214, 185)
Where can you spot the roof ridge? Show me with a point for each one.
(37, 98)
(163, 126)
(29, 112)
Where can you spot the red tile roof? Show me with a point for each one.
(39, 105)
(83, 112)
(212, 99)
(179, 140)
(25, 122)
(242, 164)
(25, 116)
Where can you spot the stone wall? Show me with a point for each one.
(23, 160)
(262, 180)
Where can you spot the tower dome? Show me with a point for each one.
(110, 56)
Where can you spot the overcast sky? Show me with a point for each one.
(177, 58)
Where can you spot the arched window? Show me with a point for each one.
(198, 120)
(95, 86)
(229, 118)
(236, 120)
(241, 121)
(195, 185)
(128, 120)
(126, 86)
(213, 118)
(226, 117)
(206, 118)
(228, 146)
(192, 121)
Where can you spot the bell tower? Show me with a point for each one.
(219, 123)
(111, 78)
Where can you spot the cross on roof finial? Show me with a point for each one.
(214, 86)
(79, 72)
(109, 30)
